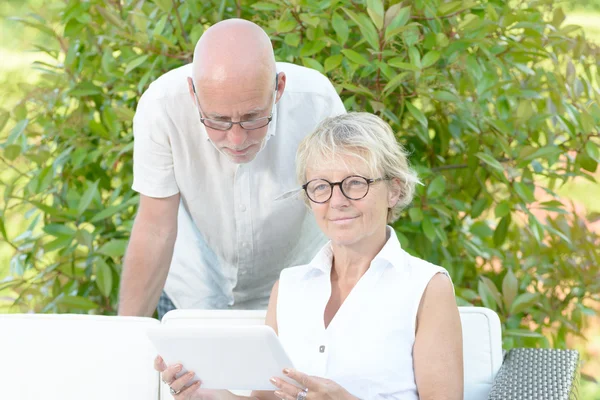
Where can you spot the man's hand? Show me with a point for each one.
(148, 255)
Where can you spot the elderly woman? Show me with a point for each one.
(364, 319)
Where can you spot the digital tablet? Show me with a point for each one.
(224, 357)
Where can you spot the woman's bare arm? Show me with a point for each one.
(437, 353)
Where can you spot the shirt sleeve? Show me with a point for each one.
(153, 173)
(334, 100)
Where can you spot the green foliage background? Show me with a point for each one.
(497, 101)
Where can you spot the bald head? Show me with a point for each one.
(234, 50)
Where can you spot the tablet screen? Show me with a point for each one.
(224, 357)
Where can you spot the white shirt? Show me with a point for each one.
(233, 239)
(367, 347)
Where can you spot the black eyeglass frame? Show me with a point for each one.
(333, 184)
(240, 123)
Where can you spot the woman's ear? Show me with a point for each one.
(394, 192)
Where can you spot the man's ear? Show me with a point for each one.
(281, 80)
(191, 89)
(395, 192)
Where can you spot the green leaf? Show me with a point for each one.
(376, 12)
(104, 278)
(87, 198)
(524, 192)
(312, 63)
(491, 161)
(501, 230)
(76, 302)
(2, 227)
(4, 117)
(136, 62)
(437, 187)
(59, 230)
(17, 131)
(502, 209)
(428, 228)
(399, 62)
(443, 95)
(544, 152)
(112, 210)
(523, 302)
(11, 152)
(292, 39)
(592, 150)
(399, 20)
(510, 287)
(416, 215)
(447, 8)
(397, 81)
(286, 25)
(85, 89)
(522, 333)
(478, 207)
(415, 56)
(355, 57)
(114, 248)
(333, 62)
(486, 294)
(264, 6)
(430, 58)
(340, 26)
(417, 114)
(366, 27)
(61, 242)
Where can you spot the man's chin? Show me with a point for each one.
(241, 158)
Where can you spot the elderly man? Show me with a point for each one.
(214, 147)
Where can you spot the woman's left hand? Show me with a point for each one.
(316, 388)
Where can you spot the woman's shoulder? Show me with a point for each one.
(296, 273)
(418, 265)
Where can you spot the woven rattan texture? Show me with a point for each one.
(537, 374)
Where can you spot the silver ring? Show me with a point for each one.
(173, 391)
(302, 394)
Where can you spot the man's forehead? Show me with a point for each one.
(221, 104)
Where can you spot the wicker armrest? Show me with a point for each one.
(544, 374)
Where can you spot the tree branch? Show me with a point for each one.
(463, 166)
(183, 32)
(421, 18)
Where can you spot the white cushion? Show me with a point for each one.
(70, 357)
(74, 357)
(482, 341)
(482, 350)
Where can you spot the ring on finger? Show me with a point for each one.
(302, 394)
(173, 391)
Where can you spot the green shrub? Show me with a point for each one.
(498, 104)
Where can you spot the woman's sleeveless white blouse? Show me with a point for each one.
(367, 347)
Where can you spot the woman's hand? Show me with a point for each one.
(168, 374)
(315, 388)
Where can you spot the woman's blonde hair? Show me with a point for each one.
(367, 137)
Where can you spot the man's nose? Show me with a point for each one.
(237, 135)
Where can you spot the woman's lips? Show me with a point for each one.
(343, 220)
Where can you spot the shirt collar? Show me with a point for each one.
(391, 254)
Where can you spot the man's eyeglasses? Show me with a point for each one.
(353, 187)
(247, 125)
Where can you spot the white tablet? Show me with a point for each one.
(224, 357)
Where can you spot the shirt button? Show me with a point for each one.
(244, 245)
(242, 208)
(321, 349)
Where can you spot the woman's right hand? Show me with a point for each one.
(168, 374)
